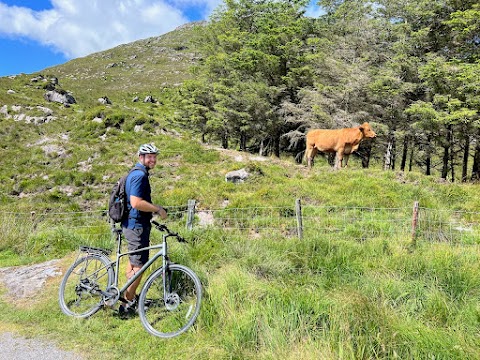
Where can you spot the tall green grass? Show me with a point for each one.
(278, 297)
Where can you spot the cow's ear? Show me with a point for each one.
(361, 128)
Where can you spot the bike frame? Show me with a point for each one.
(162, 253)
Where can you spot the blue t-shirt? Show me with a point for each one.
(138, 185)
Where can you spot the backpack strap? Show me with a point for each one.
(137, 168)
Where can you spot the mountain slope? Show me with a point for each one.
(139, 67)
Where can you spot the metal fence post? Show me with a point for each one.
(190, 214)
(298, 211)
(414, 223)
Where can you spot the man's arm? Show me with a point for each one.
(143, 205)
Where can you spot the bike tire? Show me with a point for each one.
(167, 319)
(80, 293)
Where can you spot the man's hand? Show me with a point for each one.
(161, 212)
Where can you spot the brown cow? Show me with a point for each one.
(340, 141)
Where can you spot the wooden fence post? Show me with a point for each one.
(414, 223)
(190, 214)
(298, 211)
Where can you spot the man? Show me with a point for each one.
(136, 228)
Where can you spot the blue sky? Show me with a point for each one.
(36, 34)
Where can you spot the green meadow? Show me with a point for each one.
(342, 291)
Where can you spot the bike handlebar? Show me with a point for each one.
(164, 228)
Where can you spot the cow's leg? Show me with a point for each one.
(338, 160)
(346, 156)
(310, 155)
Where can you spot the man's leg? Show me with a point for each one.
(132, 289)
(137, 238)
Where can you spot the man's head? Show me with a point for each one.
(147, 155)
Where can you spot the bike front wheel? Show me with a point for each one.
(169, 308)
(80, 293)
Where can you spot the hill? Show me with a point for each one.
(68, 148)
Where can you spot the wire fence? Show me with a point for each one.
(355, 223)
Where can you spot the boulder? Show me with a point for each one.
(237, 176)
(59, 97)
(149, 99)
(105, 101)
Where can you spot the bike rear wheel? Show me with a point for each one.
(80, 293)
(167, 311)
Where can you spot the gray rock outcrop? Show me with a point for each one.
(59, 97)
(104, 100)
(237, 176)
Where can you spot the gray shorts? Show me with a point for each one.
(138, 238)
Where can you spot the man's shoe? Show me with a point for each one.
(129, 308)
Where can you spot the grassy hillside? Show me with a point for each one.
(268, 294)
(51, 152)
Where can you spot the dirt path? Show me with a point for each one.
(14, 347)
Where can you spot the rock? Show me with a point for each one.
(45, 110)
(149, 99)
(237, 176)
(10, 91)
(25, 281)
(105, 101)
(37, 78)
(4, 111)
(59, 97)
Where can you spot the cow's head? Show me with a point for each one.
(367, 130)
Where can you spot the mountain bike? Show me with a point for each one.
(169, 301)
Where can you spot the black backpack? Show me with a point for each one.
(117, 206)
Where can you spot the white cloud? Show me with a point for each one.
(78, 28)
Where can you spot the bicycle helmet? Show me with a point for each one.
(147, 149)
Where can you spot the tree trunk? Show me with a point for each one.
(466, 148)
(388, 156)
(428, 161)
(390, 153)
(412, 153)
(243, 141)
(261, 150)
(445, 160)
(276, 145)
(446, 152)
(476, 161)
(452, 154)
(225, 140)
(404, 152)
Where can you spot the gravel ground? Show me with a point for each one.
(21, 283)
(13, 347)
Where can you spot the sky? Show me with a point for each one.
(36, 34)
